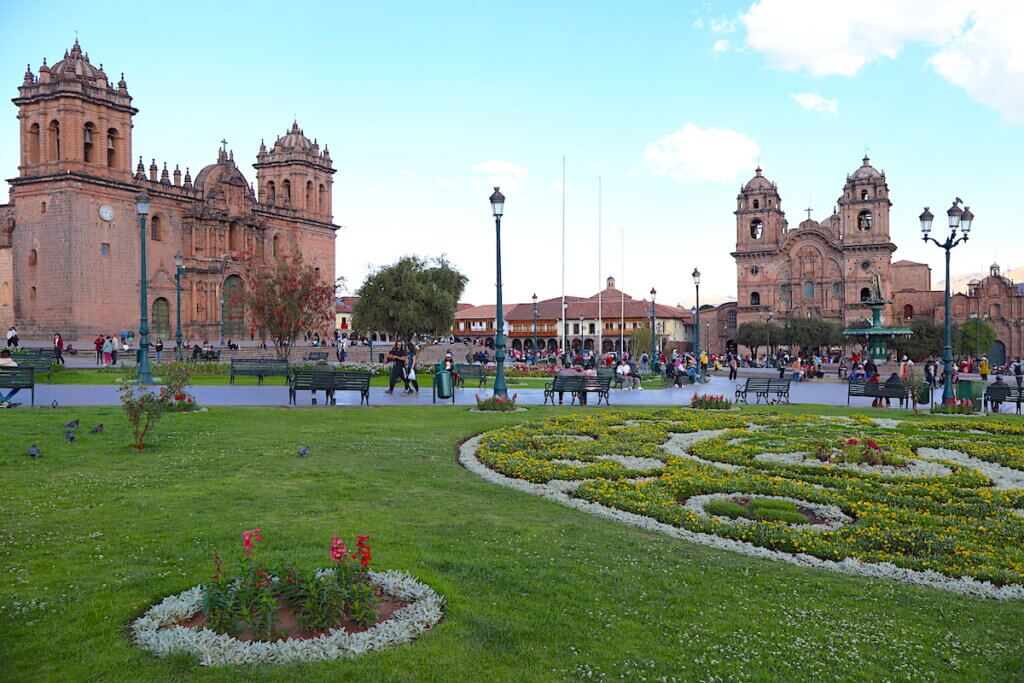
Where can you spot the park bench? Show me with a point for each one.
(317, 356)
(21, 377)
(329, 382)
(597, 385)
(471, 372)
(40, 361)
(758, 386)
(611, 374)
(209, 355)
(258, 368)
(780, 388)
(1003, 395)
(561, 384)
(879, 390)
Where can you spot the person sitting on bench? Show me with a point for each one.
(7, 362)
(893, 381)
(998, 384)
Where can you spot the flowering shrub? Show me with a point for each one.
(497, 403)
(956, 406)
(173, 394)
(710, 402)
(141, 406)
(938, 495)
(320, 598)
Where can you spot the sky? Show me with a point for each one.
(667, 107)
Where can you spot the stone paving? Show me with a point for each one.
(820, 393)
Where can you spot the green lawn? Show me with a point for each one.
(94, 533)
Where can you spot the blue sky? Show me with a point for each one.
(424, 106)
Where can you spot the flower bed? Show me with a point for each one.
(921, 502)
(710, 402)
(264, 616)
(496, 404)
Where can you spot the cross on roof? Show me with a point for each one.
(808, 210)
(224, 144)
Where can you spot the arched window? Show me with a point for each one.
(53, 141)
(309, 196)
(161, 317)
(995, 311)
(286, 187)
(33, 257)
(33, 143)
(156, 229)
(863, 194)
(42, 208)
(730, 319)
(276, 249)
(5, 294)
(757, 204)
(323, 199)
(865, 294)
(235, 237)
(808, 290)
(233, 305)
(271, 192)
(88, 147)
(837, 289)
(756, 228)
(755, 298)
(112, 146)
(864, 220)
(908, 312)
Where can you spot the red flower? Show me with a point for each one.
(338, 549)
(257, 534)
(873, 445)
(853, 442)
(247, 542)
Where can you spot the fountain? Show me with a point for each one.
(876, 336)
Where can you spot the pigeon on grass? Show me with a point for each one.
(72, 425)
(69, 436)
(54, 404)
(33, 451)
(97, 429)
(303, 452)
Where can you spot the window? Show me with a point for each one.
(756, 228)
(286, 187)
(323, 199)
(995, 311)
(837, 289)
(462, 326)
(865, 294)
(592, 328)
(5, 294)
(33, 144)
(32, 293)
(271, 192)
(730, 319)
(112, 148)
(235, 237)
(575, 328)
(42, 208)
(864, 220)
(754, 270)
(309, 195)
(88, 149)
(161, 317)
(908, 312)
(53, 141)
(757, 204)
(33, 257)
(156, 229)
(808, 290)
(104, 249)
(755, 298)
(863, 194)
(276, 246)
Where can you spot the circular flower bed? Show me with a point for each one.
(926, 501)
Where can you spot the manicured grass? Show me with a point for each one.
(94, 533)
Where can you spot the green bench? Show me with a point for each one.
(21, 377)
(758, 386)
(780, 389)
(611, 374)
(1003, 395)
(328, 381)
(470, 372)
(597, 385)
(258, 368)
(873, 390)
(562, 384)
(41, 361)
(317, 356)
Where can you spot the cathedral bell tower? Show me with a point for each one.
(760, 227)
(864, 207)
(73, 119)
(295, 174)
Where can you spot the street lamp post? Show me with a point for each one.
(179, 353)
(500, 389)
(654, 333)
(696, 327)
(145, 371)
(959, 219)
(535, 313)
(768, 341)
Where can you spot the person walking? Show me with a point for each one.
(98, 345)
(108, 351)
(58, 349)
(734, 365)
(984, 368)
(12, 337)
(410, 370)
(1018, 371)
(396, 356)
(159, 348)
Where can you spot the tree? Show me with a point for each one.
(410, 297)
(286, 299)
(927, 340)
(976, 336)
(808, 333)
(640, 341)
(752, 335)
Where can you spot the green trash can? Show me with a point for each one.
(444, 387)
(968, 390)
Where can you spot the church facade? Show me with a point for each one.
(69, 236)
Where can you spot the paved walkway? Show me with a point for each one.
(820, 393)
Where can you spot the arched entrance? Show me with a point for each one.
(161, 318)
(233, 307)
(552, 345)
(997, 353)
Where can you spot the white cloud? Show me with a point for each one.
(722, 25)
(693, 153)
(720, 46)
(496, 172)
(812, 101)
(976, 45)
(446, 183)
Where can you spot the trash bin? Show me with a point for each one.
(972, 391)
(444, 387)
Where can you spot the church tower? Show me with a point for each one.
(74, 120)
(295, 174)
(864, 207)
(760, 227)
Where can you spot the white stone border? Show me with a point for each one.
(833, 517)
(914, 469)
(882, 570)
(424, 611)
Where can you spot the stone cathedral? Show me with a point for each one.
(69, 237)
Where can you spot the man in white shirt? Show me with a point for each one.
(7, 362)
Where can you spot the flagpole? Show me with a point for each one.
(562, 330)
(622, 293)
(600, 288)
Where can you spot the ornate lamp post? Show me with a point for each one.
(145, 371)
(768, 341)
(654, 334)
(959, 219)
(500, 389)
(696, 327)
(535, 313)
(179, 353)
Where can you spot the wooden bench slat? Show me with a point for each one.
(19, 377)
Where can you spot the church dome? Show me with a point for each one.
(758, 182)
(866, 171)
(76, 65)
(294, 139)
